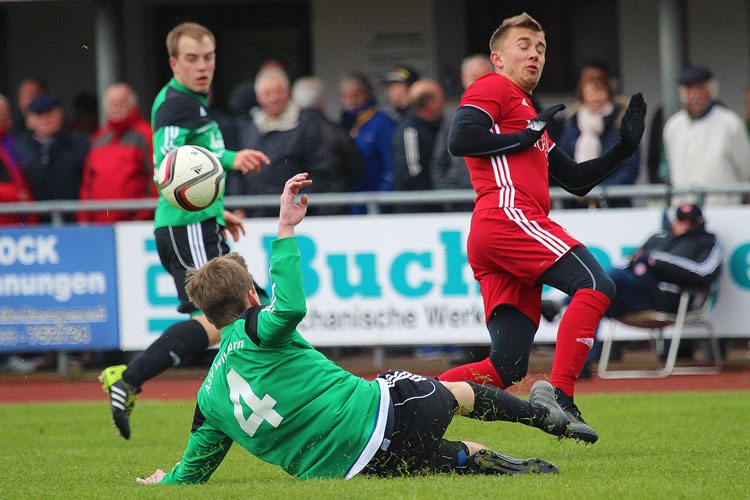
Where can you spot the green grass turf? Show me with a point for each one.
(652, 446)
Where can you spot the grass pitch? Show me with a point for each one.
(651, 446)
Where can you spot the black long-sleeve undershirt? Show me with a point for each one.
(470, 135)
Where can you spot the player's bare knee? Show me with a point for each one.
(464, 395)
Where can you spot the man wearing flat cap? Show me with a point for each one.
(51, 155)
(705, 143)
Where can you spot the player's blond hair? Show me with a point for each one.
(219, 288)
(193, 30)
(520, 21)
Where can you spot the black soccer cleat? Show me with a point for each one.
(556, 422)
(578, 429)
(490, 462)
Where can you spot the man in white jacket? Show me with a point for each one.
(705, 143)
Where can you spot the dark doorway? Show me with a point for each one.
(578, 32)
(247, 34)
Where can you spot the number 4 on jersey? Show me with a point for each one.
(262, 408)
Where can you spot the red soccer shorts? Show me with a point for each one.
(508, 250)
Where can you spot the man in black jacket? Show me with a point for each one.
(50, 154)
(413, 143)
(685, 256)
(290, 136)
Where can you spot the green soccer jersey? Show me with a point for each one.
(270, 391)
(180, 116)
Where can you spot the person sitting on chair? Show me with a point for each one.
(685, 256)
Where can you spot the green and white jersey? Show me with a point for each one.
(270, 391)
(180, 116)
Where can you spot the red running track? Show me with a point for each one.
(50, 387)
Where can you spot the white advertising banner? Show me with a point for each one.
(404, 279)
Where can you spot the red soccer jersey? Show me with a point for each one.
(518, 179)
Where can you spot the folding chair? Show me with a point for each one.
(692, 310)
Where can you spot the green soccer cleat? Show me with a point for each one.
(122, 397)
(491, 462)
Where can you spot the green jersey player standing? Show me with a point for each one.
(271, 392)
(184, 240)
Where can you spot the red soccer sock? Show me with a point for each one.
(575, 337)
(481, 372)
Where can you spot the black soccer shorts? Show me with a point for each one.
(423, 409)
(189, 247)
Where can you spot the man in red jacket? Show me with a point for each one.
(13, 185)
(119, 164)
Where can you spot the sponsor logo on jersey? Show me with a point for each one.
(543, 144)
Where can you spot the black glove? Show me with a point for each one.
(536, 126)
(633, 122)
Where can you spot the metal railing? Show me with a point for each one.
(374, 201)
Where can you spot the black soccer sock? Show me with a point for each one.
(179, 342)
(563, 399)
(450, 456)
(492, 403)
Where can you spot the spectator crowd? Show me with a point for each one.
(51, 151)
(48, 153)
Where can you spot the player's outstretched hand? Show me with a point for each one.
(233, 224)
(541, 120)
(633, 122)
(153, 478)
(536, 126)
(249, 160)
(291, 213)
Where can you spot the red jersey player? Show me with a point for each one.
(514, 247)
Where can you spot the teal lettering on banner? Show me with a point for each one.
(629, 250)
(154, 297)
(455, 260)
(399, 270)
(153, 273)
(155, 326)
(307, 251)
(739, 266)
(368, 285)
(601, 256)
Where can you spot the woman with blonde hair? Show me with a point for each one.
(592, 126)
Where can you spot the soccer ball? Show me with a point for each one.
(191, 178)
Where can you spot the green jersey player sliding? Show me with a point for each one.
(271, 392)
